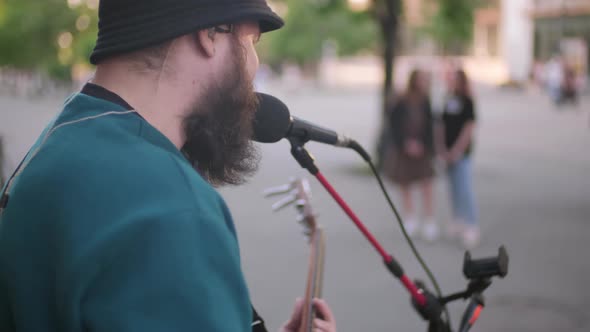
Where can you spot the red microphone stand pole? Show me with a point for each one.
(307, 161)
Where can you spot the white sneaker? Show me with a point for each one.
(430, 231)
(411, 225)
(471, 237)
(455, 229)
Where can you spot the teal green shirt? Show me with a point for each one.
(109, 228)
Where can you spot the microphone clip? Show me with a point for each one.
(303, 157)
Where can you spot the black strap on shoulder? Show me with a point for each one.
(5, 195)
(257, 322)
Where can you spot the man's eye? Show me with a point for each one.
(256, 38)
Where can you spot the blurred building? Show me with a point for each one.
(415, 15)
(520, 32)
(556, 20)
(509, 37)
(562, 26)
(486, 35)
(503, 32)
(513, 34)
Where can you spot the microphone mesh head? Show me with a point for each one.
(272, 120)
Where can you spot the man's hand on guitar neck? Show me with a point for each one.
(325, 324)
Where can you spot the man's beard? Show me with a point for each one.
(218, 128)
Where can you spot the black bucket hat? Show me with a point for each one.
(131, 25)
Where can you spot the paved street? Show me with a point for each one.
(533, 189)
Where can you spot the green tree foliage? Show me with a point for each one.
(30, 29)
(309, 23)
(451, 24)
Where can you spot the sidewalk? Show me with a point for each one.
(532, 182)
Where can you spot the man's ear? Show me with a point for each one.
(206, 42)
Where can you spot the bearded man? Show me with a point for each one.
(112, 222)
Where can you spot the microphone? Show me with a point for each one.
(273, 122)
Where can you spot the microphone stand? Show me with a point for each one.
(427, 305)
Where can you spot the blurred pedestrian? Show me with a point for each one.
(458, 120)
(569, 87)
(537, 74)
(554, 75)
(410, 161)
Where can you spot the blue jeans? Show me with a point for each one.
(462, 198)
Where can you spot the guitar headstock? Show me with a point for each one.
(297, 193)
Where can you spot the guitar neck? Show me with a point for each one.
(314, 278)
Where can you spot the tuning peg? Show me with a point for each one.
(305, 230)
(306, 187)
(292, 191)
(307, 237)
(283, 189)
(285, 201)
(279, 190)
(299, 203)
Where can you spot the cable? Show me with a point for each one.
(391, 264)
(361, 151)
